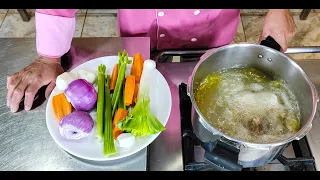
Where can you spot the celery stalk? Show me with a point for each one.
(123, 61)
(121, 97)
(109, 147)
(100, 103)
(120, 73)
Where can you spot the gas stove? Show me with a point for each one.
(296, 157)
(176, 148)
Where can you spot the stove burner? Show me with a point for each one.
(303, 161)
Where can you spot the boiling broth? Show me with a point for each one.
(247, 105)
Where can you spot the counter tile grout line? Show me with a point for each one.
(84, 22)
(244, 33)
(4, 19)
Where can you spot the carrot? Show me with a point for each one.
(137, 66)
(120, 115)
(114, 77)
(61, 106)
(116, 132)
(135, 94)
(129, 90)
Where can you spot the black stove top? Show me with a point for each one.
(303, 160)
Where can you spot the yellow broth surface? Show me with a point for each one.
(247, 105)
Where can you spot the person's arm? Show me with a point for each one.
(279, 24)
(54, 31)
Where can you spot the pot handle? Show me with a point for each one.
(271, 43)
(222, 156)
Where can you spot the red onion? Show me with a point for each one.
(76, 125)
(81, 95)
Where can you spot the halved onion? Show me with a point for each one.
(76, 125)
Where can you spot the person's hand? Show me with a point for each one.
(43, 71)
(279, 24)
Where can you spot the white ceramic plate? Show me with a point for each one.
(89, 148)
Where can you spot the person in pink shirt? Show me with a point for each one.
(167, 29)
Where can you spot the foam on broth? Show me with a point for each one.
(248, 105)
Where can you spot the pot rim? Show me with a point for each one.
(297, 136)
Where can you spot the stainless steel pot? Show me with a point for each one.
(226, 152)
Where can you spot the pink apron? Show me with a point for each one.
(168, 29)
